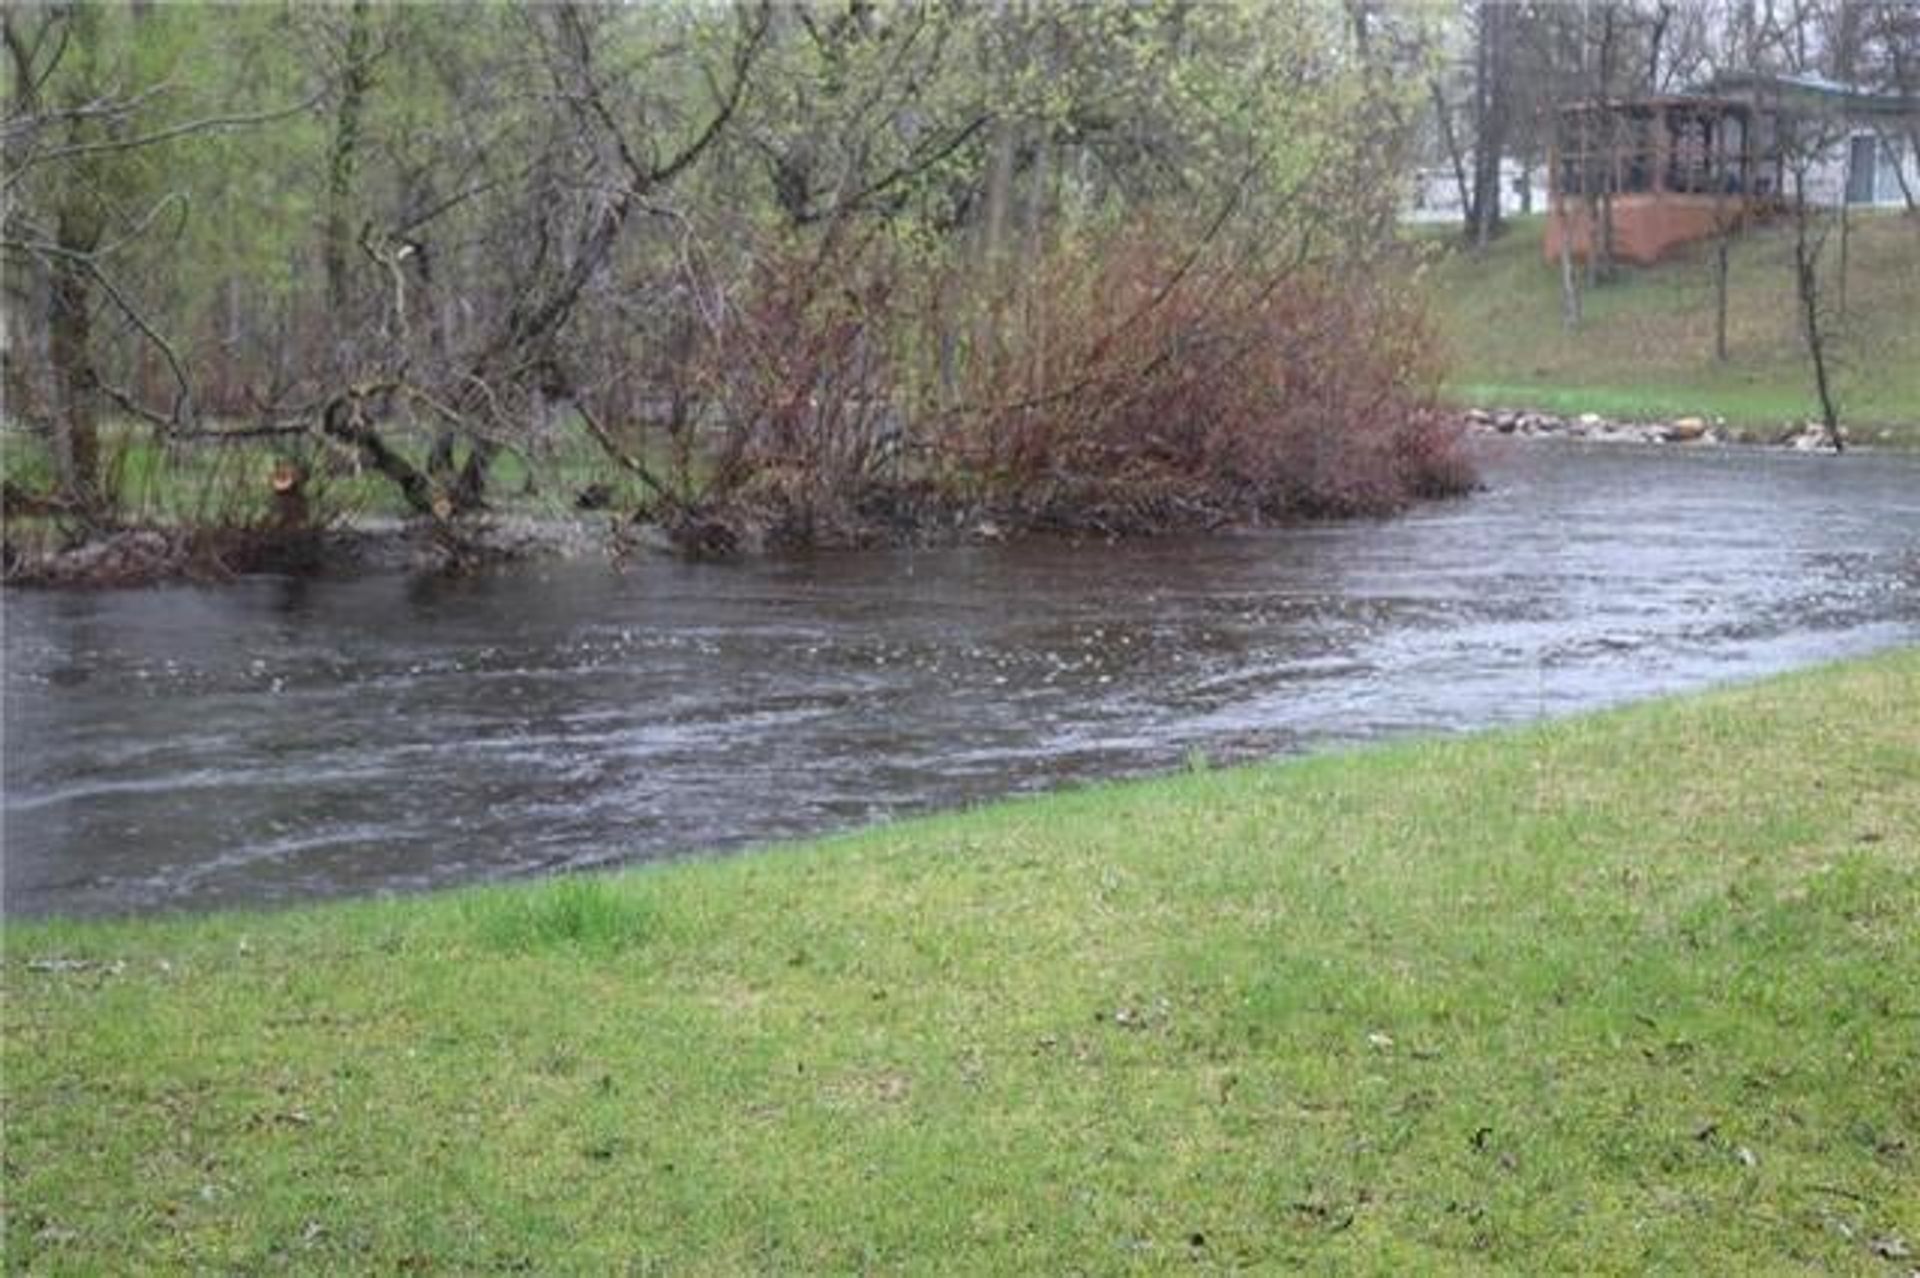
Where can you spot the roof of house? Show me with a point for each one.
(1743, 90)
(1693, 100)
(1809, 89)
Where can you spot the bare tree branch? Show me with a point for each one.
(204, 124)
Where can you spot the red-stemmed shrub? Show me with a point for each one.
(1126, 384)
(1141, 386)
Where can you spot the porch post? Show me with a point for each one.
(1662, 146)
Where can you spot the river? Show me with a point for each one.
(278, 740)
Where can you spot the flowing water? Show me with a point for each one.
(278, 740)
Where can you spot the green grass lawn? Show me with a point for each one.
(1646, 347)
(1631, 993)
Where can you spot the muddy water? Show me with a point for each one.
(279, 740)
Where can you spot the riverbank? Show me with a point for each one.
(1628, 992)
(143, 556)
(891, 513)
(1644, 351)
(521, 532)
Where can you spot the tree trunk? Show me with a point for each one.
(1490, 120)
(1031, 252)
(1722, 252)
(1444, 118)
(1662, 18)
(344, 157)
(1806, 271)
(1600, 190)
(1606, 220)
(79, 224)
(1360, 21)
(1569, 282)
(999, 193)
(1610, 133)
(1846, 236)
(345, 418)
(77, 383)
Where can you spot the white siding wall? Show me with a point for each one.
(1435, 195)
(1827, 177)
(1896, 151)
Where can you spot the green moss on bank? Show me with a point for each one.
(1645, 349)
(1627, 993)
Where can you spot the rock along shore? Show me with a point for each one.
(1807, 438)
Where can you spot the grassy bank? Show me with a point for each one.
(1646, 347)
(1637, 992)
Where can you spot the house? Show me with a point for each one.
(1434, 194)
(1684, 167)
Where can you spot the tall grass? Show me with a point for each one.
(590, 914)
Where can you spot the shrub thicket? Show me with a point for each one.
(1122, 385)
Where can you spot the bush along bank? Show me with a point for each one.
(1134, 389)
(1126, 385)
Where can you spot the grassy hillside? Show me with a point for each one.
(1634, 993)
(1646, 348)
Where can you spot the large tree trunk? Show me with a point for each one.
(25, 286)
(1602, 174)
(79, 224)
(1663, 16)
(355, 80)
(1569, 282)
(76, 381)
(1443, 116)
(1490, 122)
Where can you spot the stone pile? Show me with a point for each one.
(1682, 430)
(1810, 437)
